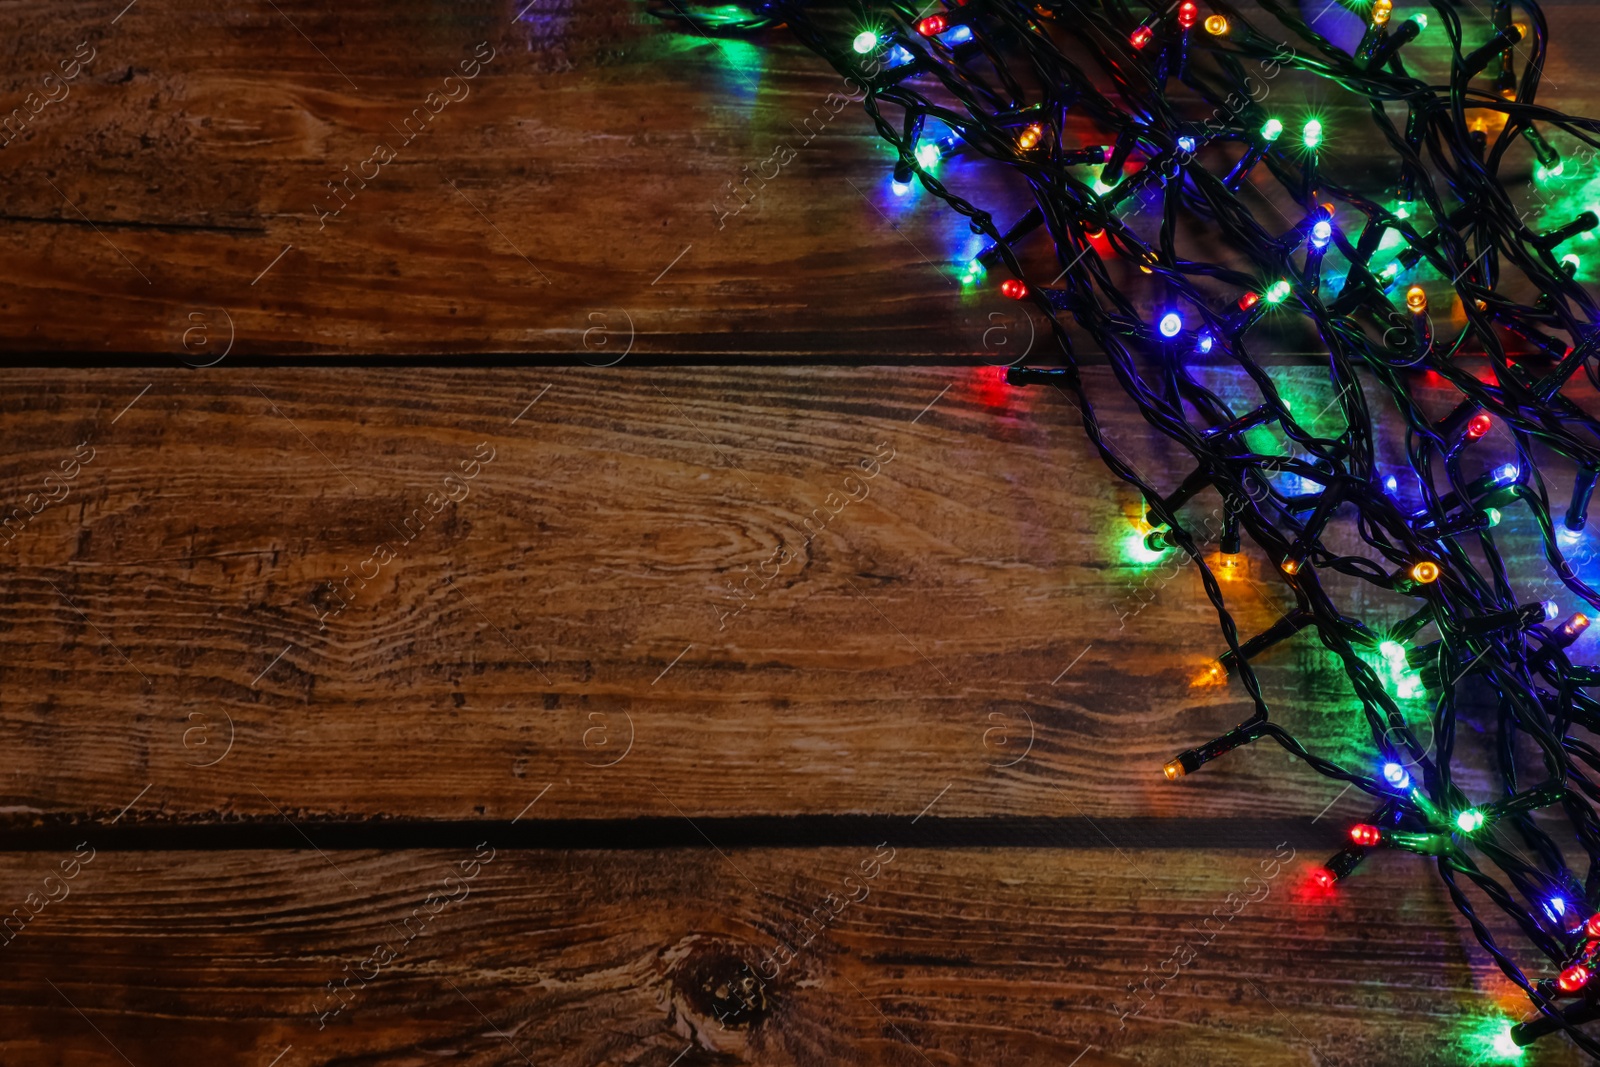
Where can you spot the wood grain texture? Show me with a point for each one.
(584, 179)
(576, 958)
(593, 151)
(573, 611)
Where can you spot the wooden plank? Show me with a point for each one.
(176, 196)
(582, 180)
(577, 958)
(571, 603)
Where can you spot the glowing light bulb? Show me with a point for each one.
(1492, 516)
(1592, 927)
(1321, 233)
(1173, 770)
(1216, 25)
(975, 270)
(1171, 323)
(1290, 566)
(1140, 37)
(1421, 19)
(932, 25)
(1029, 137)
(1568, 537)
(899, 55)
(1417, 299)
(1505, 1046)
(1205, 342)
(1323, 877)
(1364, 834)
(1573, 978)
(1391, 483)
(1312, 134)
(1575, 625)
(1188, 12)
(1381, 10)
(1426, 572)
(1479, 425)
(1391, 271)
(1396, 776)
(1551, 610)
(865, 42)
(1469, 821)
(928, 156)
(1015, 288)
(1557, 907)
(1271, 130)
(1186, 143)
(1571, 259)
(1392, 650)
(901, 188)
(1248, 301)
(1278, 292)
(959, 35)
(1506, 472)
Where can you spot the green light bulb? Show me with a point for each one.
(1494, 516)
(1421, 20)
(1392, 650)
(1573, 261)
(1272, 129)
(1312, 134)
(1506, 1046)
(928, 156)
(1278, 292)
(1469, 820)
(1391, 270)
(865, 42)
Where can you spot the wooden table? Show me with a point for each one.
(401, 683)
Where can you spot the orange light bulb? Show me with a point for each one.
(1425, 572)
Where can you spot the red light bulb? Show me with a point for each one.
(1593, 929)
(932, 25)
(1015, 288)
(1188, 12)
(1478, 425)
(1140, 37)
(1573, 978)
(1324, 877)
(1365, 834)
(1248, 301)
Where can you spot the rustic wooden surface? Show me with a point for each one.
(966, 645)
(577, 958)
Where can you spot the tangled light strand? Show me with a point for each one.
(1050, 90)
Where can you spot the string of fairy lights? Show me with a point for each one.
(1424, 279)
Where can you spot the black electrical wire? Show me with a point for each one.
(1161, 97)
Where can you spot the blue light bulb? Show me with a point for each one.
(1506, 473)
(1321, 232)
(959, 35)
(1391, 483)
(899, 55)
(1171, 323)
(1396, 776)
(1205, 342)
(901, 188)
(1551, 610)
(1568, 536)
(1186, 143)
